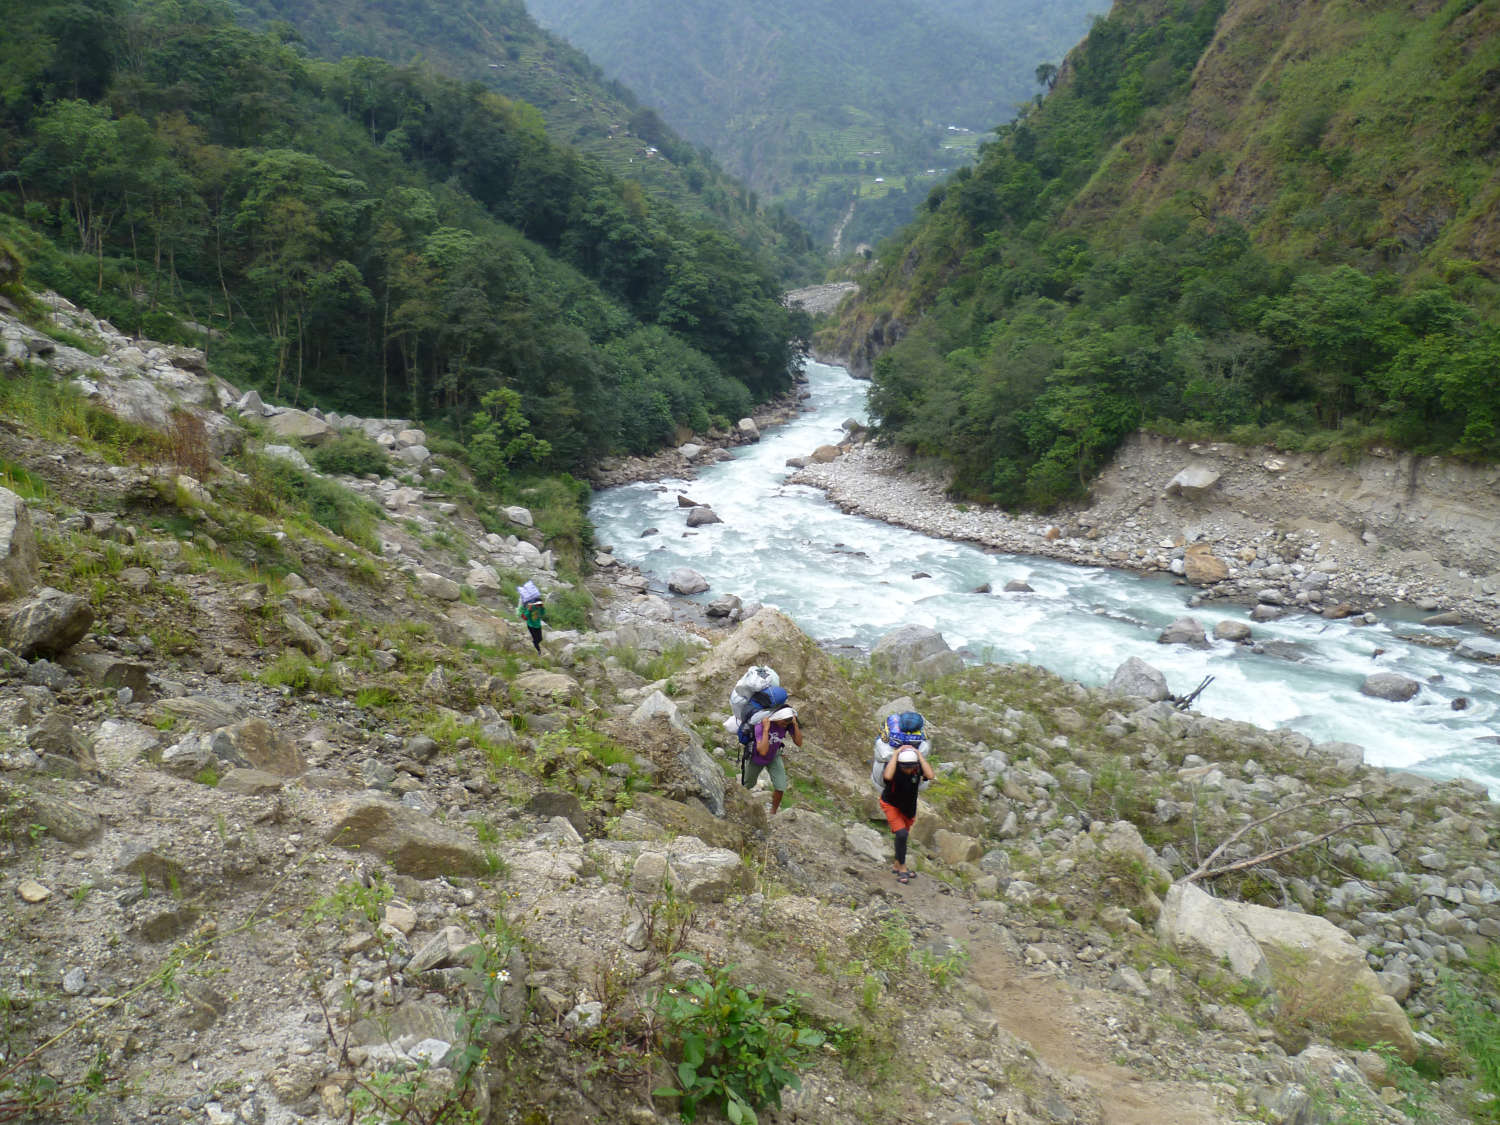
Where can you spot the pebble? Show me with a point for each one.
(33, 892)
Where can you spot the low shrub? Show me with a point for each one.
(738, 1051)
(351, 454)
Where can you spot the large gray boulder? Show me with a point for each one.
(691, 772)
(1390, 686)
(1321, 978)
(47, 624)
(255, 742)
(703, 874)
(1137, 678)
(702, 517)
(685, 580)
(1235, 631)
(1184, 631)
(1193, 482)
(1194, 923)
(18, 565)
(300, 425)
(412, 843)
(914, 652)
(1474, 648)
(1316, 971)
(438, 586)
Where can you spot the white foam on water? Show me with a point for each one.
(846, 578)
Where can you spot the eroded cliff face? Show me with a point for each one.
(1412, 513)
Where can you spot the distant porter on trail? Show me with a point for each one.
(531, 609)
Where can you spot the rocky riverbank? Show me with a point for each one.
(1285, 534)
(694, 450)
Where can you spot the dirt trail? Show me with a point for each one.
(1051, 1018)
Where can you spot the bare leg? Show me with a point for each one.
(775, 800)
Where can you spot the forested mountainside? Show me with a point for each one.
(370, 237)
(1273, 222)
(824, 103)
(498, 43)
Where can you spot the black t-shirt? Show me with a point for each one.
(900, 791)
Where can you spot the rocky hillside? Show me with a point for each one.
(295, 826)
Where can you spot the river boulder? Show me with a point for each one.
(685, 580)
(1137, 678)
(1202, 567)
(1479, 648)
(1183, 631)
(1390, 686)
(702, 517)
(1235, 631)
(729, 605)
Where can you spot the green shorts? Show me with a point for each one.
(777, 770)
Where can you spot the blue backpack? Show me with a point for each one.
(904, 729)
(767, 699)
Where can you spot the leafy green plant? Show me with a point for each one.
(1476, 1025)
(942, 969)
(738, 1051)
(352, 454)
(890, 947)
(278, 486)
(669, 922)
(294, 670)
(353, 897)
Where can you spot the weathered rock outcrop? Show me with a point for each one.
(914, 652)
(17, 547)
(1317, 971)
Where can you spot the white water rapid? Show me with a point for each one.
(846, 579)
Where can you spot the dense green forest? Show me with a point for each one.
(821, 104)
(1203, 231)
(496, 42)
(376, 238)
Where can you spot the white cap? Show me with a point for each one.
(784, 713)
(907, 755)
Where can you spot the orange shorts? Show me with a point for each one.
(897, 819)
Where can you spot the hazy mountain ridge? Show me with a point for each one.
(810, 103)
